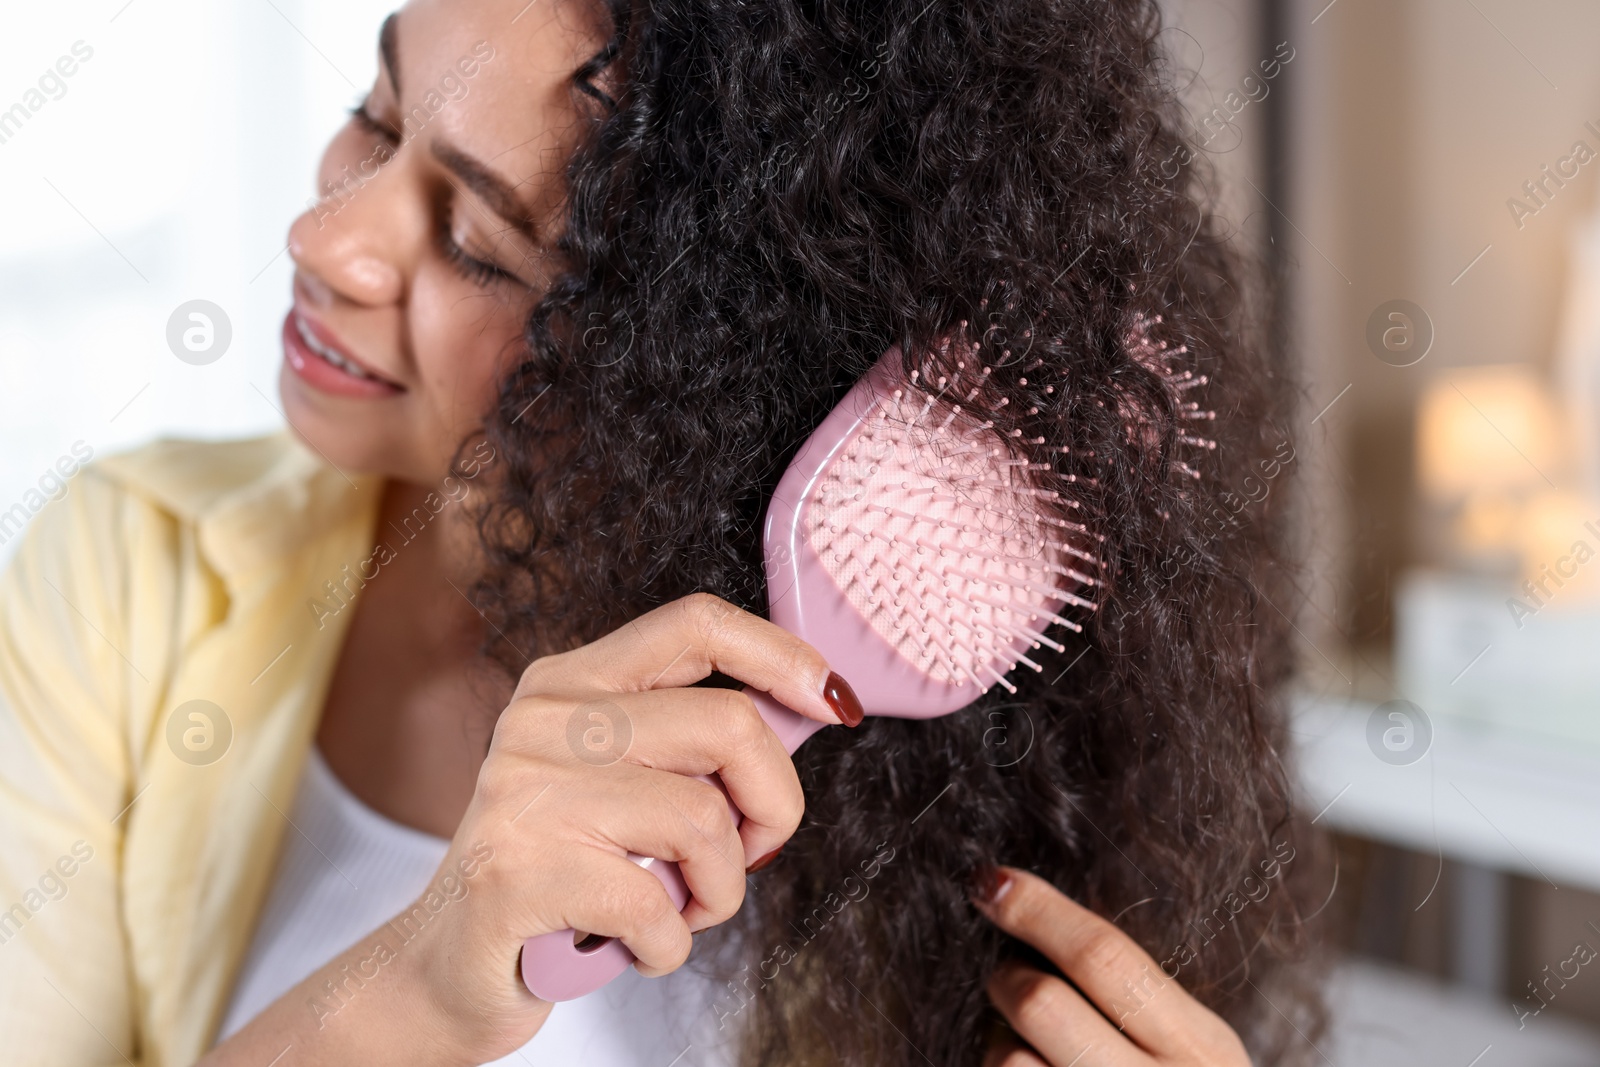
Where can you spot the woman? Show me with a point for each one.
(298, 713)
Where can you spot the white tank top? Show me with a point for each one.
(346, 870)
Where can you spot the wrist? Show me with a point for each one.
(423, 1023)
(374, 1003)
(467, 1015)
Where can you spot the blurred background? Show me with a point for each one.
(1418, 175)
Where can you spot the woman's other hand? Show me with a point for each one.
(1125, 1012)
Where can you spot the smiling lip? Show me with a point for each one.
(319, 360)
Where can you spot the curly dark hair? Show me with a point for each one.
(774, 192)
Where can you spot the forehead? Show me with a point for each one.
(494, 77)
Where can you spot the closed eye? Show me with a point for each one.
(364, 120)
(478, 271)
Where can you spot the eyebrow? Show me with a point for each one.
(490, 187)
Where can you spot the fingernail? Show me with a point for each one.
(763, 861)
(992, 885)
(843, 700)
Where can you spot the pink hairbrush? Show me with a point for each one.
(909, 544)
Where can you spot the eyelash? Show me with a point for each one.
(473, 269)
(468, 266)
(363, 118)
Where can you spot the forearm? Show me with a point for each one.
(367, 1005)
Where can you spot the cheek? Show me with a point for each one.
(464, 339)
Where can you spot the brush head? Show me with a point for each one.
(917, 548)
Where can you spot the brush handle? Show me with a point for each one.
(556, 969)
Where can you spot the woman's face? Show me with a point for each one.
(442, 196)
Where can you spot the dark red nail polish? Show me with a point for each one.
(843, 700)
(991, 884)
(763, 861)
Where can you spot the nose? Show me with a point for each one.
(361, 242)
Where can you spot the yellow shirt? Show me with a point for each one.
(137, 841)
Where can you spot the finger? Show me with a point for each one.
(682, 642)
(1012, 1053)
(1122, 980)
(713, 732)
(711, 855)
(1061, 1026)
(615, 897)
(653, 813)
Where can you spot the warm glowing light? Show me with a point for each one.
(1489, 429)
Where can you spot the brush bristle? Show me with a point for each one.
(1165, 361)
(943, 538)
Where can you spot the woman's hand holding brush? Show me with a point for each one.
(599, 754)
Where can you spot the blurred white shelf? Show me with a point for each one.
(1475, 647)
(1483, 793)
(1385, 1017)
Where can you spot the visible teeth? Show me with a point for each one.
(327, 353)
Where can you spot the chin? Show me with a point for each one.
(350, 435)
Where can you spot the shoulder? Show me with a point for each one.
(244, 503)
(186, 478)
(178, 479)
(102, 515)
(115, 540)
(143, 528)
(95, 604)
(135, 556)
